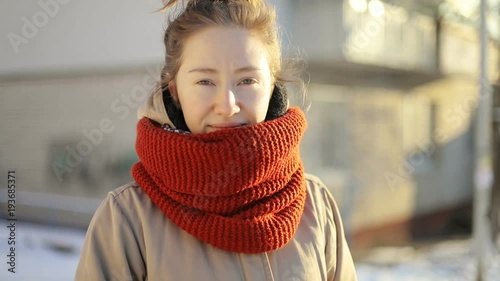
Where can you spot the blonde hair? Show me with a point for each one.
(253, 15)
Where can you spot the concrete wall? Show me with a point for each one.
(48, 35)
(45, 35)
(395, 154)
(63, 135)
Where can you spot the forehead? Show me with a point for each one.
(217, 45)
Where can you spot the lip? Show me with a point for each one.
(226, 125)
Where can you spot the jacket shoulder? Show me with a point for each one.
(114, 247)
(316, 187)
(338, 256)
(131, 187)
(314, 180)
(132, 201)
(319, 198)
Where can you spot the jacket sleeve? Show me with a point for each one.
(111, 250)
(338, 256)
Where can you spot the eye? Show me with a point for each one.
(248, 81)
(204, 82)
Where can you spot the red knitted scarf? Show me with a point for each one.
(240, 189)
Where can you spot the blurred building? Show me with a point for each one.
(72, 75)
(393, 89)
(394, 93)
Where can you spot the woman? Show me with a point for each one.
(219, 192)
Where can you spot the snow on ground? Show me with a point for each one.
(447, 260)
(47, 253)
(43, 253)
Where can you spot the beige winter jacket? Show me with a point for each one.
(129, 238)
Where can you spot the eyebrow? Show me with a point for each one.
(211, 70)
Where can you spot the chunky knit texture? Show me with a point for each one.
(240, 189)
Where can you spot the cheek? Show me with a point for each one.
(258, 105)
(263, 105)
(193, 106)
(194, 114)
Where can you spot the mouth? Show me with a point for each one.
(222, 126)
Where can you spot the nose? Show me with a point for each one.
(226, 103)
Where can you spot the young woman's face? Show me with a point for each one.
(224, 80)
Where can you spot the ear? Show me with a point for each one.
(173, 91)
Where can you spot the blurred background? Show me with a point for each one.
(403, 125)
